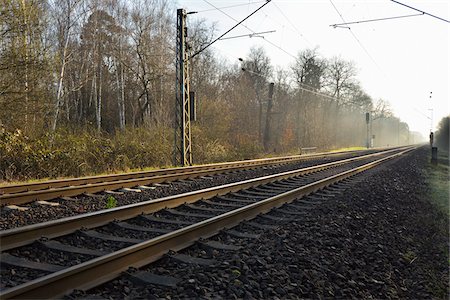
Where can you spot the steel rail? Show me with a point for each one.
(102, 269)
(113, 182)
(60, 183)
(15, 237)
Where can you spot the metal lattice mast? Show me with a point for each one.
(183, 140)
(185, 101)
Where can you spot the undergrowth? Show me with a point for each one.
(438, 178)
(81, 153)
(69, 154)
(76, 153)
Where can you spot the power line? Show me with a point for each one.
(315, 92)
(335, 8)
(423, 12)
(230, 6)
(375, 20)
(355, 37)
(276, 46)
(302, 86)
(292, 24)
(202, 49)
(266, 40)
(256, 34)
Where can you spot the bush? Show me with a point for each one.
(81, 153)
(208, 150)
(442, 134)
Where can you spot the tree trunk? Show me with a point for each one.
(99, 101)
(267, 135)
(25, 48)
(60, 82)
(121, 96)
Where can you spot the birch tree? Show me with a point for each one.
(65, 19)
(24, 75)
(98, 39)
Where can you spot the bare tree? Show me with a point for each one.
(340, 76)
(99, 37)
(150, 33)
(308, 69)
(258, 68)
(204, 67)
(65, 19)
(24, 74)
(308, 72)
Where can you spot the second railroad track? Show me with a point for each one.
(17, 194)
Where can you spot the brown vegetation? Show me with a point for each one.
(87, 86)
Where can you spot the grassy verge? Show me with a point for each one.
(438, 181)
(438, 193)
(26, 160)
(348, 149)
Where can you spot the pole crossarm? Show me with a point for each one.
(256, 34)
(375, 20)
(222, 35)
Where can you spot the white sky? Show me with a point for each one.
(407, 58)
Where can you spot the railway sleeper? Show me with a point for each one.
(228, 199)
(15, 261)
(206, 209)
(187, 214)
(55, 245)
(187, 259)
(124, 225)
(144, 278)
(221, 204)
(107, 237)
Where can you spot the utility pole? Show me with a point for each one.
(367, 133)
(183, 139)
(184, 106)
(267, 135)
(431, 113)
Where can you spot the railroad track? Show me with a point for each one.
(104, 247)
(17, 194)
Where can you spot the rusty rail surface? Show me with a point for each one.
(24, 193)
(99, 270)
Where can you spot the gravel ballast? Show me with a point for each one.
(37, 213)
(379, 239)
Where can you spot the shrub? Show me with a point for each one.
(80, 153)
(442, 134)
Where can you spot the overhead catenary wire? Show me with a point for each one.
(218, 38)
(356, 38)
(230, 6)
(253, 31)
(292, 24)
(338, 12)
(316, 93)
(278, 47)
(256, 34)
(423, 12)
(375, 20)
(302, 86)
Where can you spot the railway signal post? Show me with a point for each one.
(367, 125)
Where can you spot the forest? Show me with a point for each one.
(88, 86)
